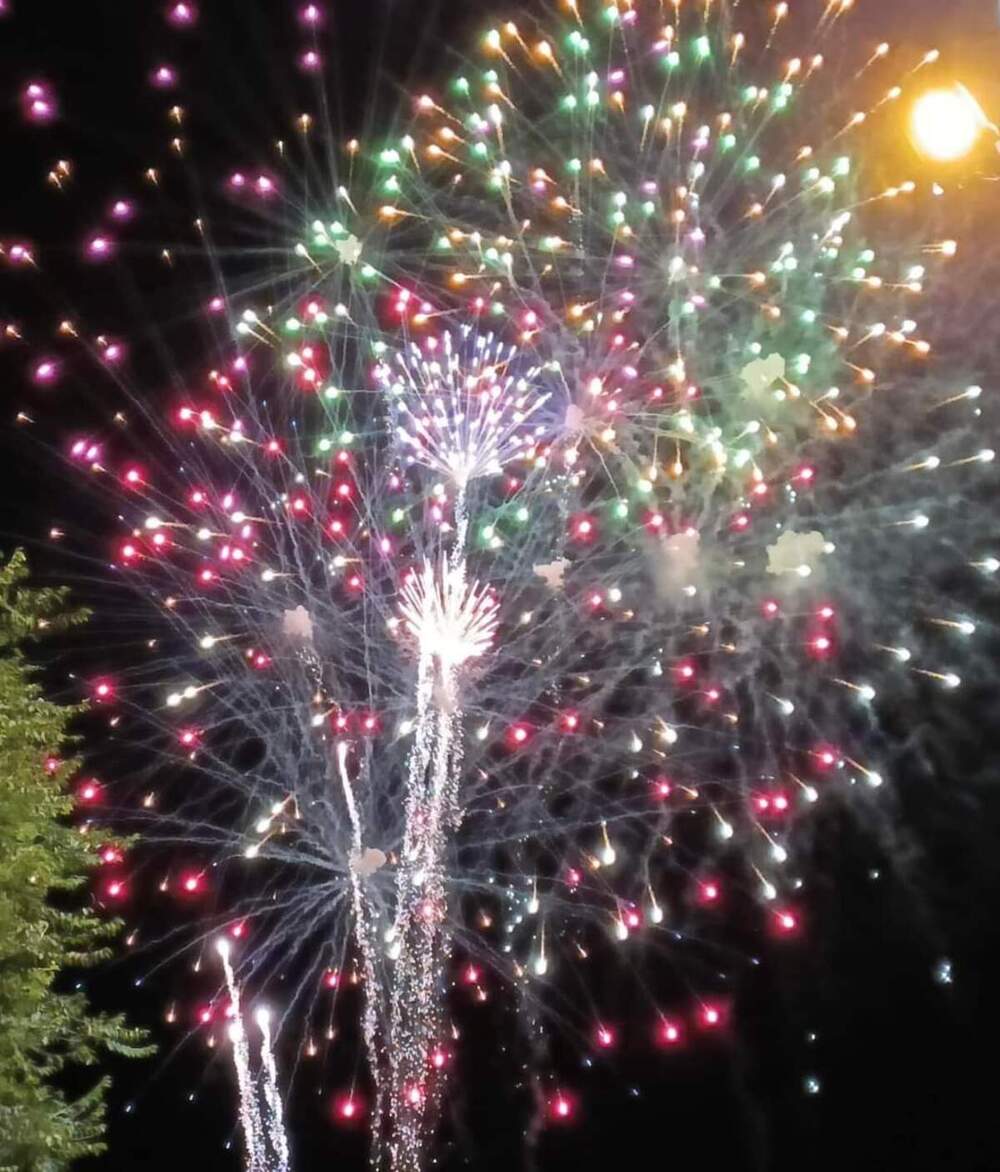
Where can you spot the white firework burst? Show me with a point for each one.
(463, 414)
(450, 618)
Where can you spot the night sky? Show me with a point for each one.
(856, 1009)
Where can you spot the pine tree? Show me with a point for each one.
(47, 922)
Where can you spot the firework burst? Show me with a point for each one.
(538, 543)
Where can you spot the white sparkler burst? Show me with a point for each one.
(463, 414)
(451, 619)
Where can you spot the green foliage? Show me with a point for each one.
(46, 920)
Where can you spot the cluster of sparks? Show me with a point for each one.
(549, 533)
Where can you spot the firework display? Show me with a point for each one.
(556, 495)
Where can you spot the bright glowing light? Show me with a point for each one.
(562, 1107)
(448, 618)
(946, 123)
(349, 1108)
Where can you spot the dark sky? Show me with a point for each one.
(904, 1062)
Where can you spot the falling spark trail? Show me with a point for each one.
(274, 1123)
(253, 1126)
(451, 622)
(352, 806)
(364, 935)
